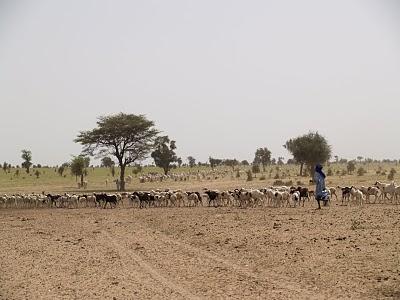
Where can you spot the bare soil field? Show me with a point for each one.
(338, 252)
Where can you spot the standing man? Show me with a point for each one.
(321, 194)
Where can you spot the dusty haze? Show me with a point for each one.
(220, 77)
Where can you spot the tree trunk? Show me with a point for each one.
(301, 169)
(166, 169)
(82, 179)
(122, 178)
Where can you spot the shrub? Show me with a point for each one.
(289, 183)
(255, 168)
(262, 177)
(276, 176)
(278, 182)
(330, 172)
(391, 174)
(237, 173)
(361, 171)
(249, 175)
(351, 166)
(344, 172)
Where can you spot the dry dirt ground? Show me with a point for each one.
(201, 253)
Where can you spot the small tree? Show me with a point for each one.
(78, 167)
(62, 168)
(290, 161)
(361, 171)
(237, 173)
(107, 162)
(244, 163)
(164, 154)
(231, 163)
(351, 166)
(5, 167)
(391, 174)
(191, 161)
(309, 149)
(137, 169)
(214, 162)
(255, 168)
(179, 161)
(128, 137)
(249, 175)
(37, 173)
(27, 157)
(263, 157)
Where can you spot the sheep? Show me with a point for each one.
(368, 191)
(193, 197)
(295, 197)
(257, 196)
(213, 196)
(357, 194)
(386, 188)
(280, 198)
(332, 192)
(345, 193)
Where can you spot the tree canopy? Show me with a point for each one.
(164, 154)
(309, 149)
(78, 166)
(214, 162)
(231, 163)
(127, 137)
(107, 162)
(27, 157)
(191, 161)
(263, 157)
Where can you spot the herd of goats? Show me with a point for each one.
(282, 196)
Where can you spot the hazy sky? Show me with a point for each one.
(220, 77)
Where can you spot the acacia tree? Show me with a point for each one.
(231, 163)
(128, 137)
(214, 162)
(351, 167)
(192, 161)
(244, 162)
(107, 162)
(62, 168)
(27, 157)
(164, 154)
(78, 166)
(263, 157)
(309, 149)
(5, 167)
(179, 161)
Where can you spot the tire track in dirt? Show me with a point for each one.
(265, 283)
(148, 268)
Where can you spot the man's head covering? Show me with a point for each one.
(318, 169)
